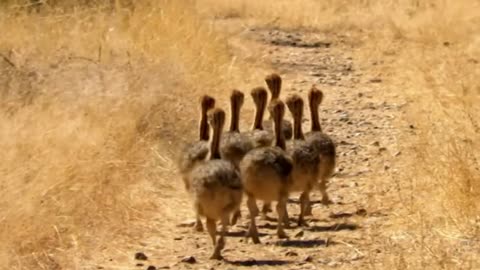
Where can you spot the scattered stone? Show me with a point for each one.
(189, 259)
(178, 238)
(344, 143)
(356, 257)
(361, 212)
(332, 263)
(188, 223)
(376, 80)
(151, 267)
(139, 264)
(344, 118)
(324, 261)
(141, 256)
(381, 149)
(291, 253)
(299, 234)
(375, 143)
(398, 153)
(308, 259)
(411, 126)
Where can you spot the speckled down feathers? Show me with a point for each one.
(215, 173)
(192, 153)
(304, 156)
(261, 138)
(287, 128)
(322, 143)
(234, 146)
(270, 157)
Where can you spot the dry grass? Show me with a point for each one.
(83, 135)
(83, 91)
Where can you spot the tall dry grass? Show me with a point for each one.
(84, 93)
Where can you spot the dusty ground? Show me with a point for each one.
(362, 117)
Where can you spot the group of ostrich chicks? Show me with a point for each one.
(221, 168)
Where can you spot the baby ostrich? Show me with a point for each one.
(216, 186)
(235, 145)
(197, 151)
(266, 175)
(259, 136)
(274, 83)
(323, 144)
(306, 160)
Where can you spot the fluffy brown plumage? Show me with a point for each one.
(323, 144)
(235, 145)
(266, 175)
(216, 186)
(306, 160)
(197, 151)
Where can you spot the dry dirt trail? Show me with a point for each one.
(351, 233)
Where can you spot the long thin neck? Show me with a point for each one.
(235, 116)
(204, 131)
(215, 143)
(257, 123)
(297, 127)
(279, 139)
(315, 120)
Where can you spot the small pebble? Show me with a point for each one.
(189, 259)
(299, 234)
(141, 256)
(361, 212)
(291, 253)
(308, 259)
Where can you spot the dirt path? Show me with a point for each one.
(360, 115)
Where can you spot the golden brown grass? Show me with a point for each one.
(83, 134)
(83, 92)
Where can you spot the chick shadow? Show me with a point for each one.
(243, 234)
(314, 202)
(304, 243)
(334, 227)
(292, 222)
(340, 215)
(253, 262)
